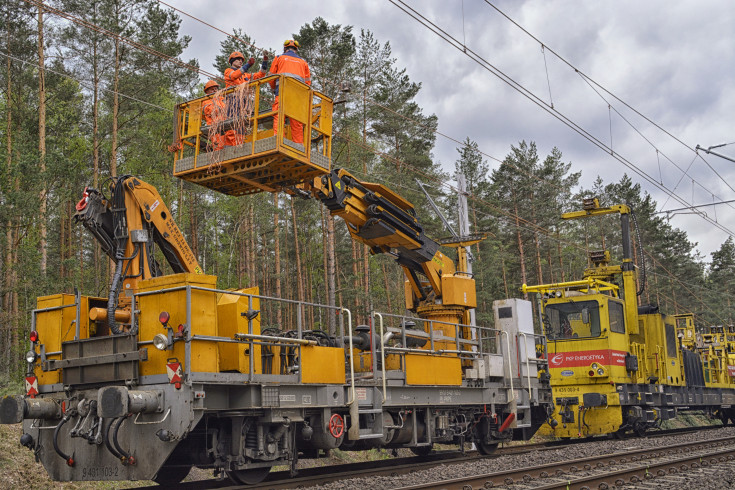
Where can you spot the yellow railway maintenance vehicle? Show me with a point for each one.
(170, 372)
(616, 366)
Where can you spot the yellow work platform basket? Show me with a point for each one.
(238, 153)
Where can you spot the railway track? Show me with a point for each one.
(309, 477)
(605, 471)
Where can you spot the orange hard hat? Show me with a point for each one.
(290, 43)
(211, 84)
(234, 55)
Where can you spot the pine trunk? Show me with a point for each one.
(331, 274)
(43, 198)
(115, 111)
(277, 259)
(387, 288)
(11, 258)
(521, 253)
(558, 250)
(299, 272)
(95, 154)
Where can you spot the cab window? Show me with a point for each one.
(573, 320)
(617, 321)
(670, 340)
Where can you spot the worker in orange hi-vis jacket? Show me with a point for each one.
(238, 74)
(291, 65)
(213, 109)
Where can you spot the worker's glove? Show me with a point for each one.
(247, 65)
(264, 65)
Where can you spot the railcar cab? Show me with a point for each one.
(584, 323)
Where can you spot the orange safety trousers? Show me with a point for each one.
(297, 128)
(212, 109)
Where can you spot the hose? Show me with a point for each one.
(579, 421)
(112, 300)
(120, 234)
(68, 459)
(124, 456)
(109, 447)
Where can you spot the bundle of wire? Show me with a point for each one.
(230, 122)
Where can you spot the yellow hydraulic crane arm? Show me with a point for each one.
(128, 226)
(387, 223)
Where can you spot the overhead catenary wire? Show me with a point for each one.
(658, 151)
(539, 102)
(86, 85)
(257, 49)
(126, 40)
(592, 82)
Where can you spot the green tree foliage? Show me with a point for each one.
(721, 279)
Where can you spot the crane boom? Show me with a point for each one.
(387, 223)
(128, 226)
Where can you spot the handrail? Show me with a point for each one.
(382, 355)
(528, 363)
(284, 340)
(352, 367)
(354, 431)
(510, 366)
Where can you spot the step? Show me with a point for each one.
(369, 410)
(369, 435)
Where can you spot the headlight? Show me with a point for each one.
(31, 356)
(160, 342)
(594, 365)
(600, 372)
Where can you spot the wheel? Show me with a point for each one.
(486, 448)
(619, 434)
(421, 450)
(249, 477)
(171, 475)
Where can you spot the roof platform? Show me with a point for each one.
(238, 153)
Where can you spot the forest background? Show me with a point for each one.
(89, 89)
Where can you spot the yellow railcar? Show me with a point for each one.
(616, 365)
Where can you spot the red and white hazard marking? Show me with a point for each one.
(173, 369)
(31, 386)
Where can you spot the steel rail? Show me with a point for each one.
(393, 467)
(562, 472)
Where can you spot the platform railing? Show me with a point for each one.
(246, 112)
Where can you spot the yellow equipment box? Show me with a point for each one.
(322, 364)
(433, 370)
(236, 357)
(203, 320)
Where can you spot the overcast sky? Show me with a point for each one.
(674, 62)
